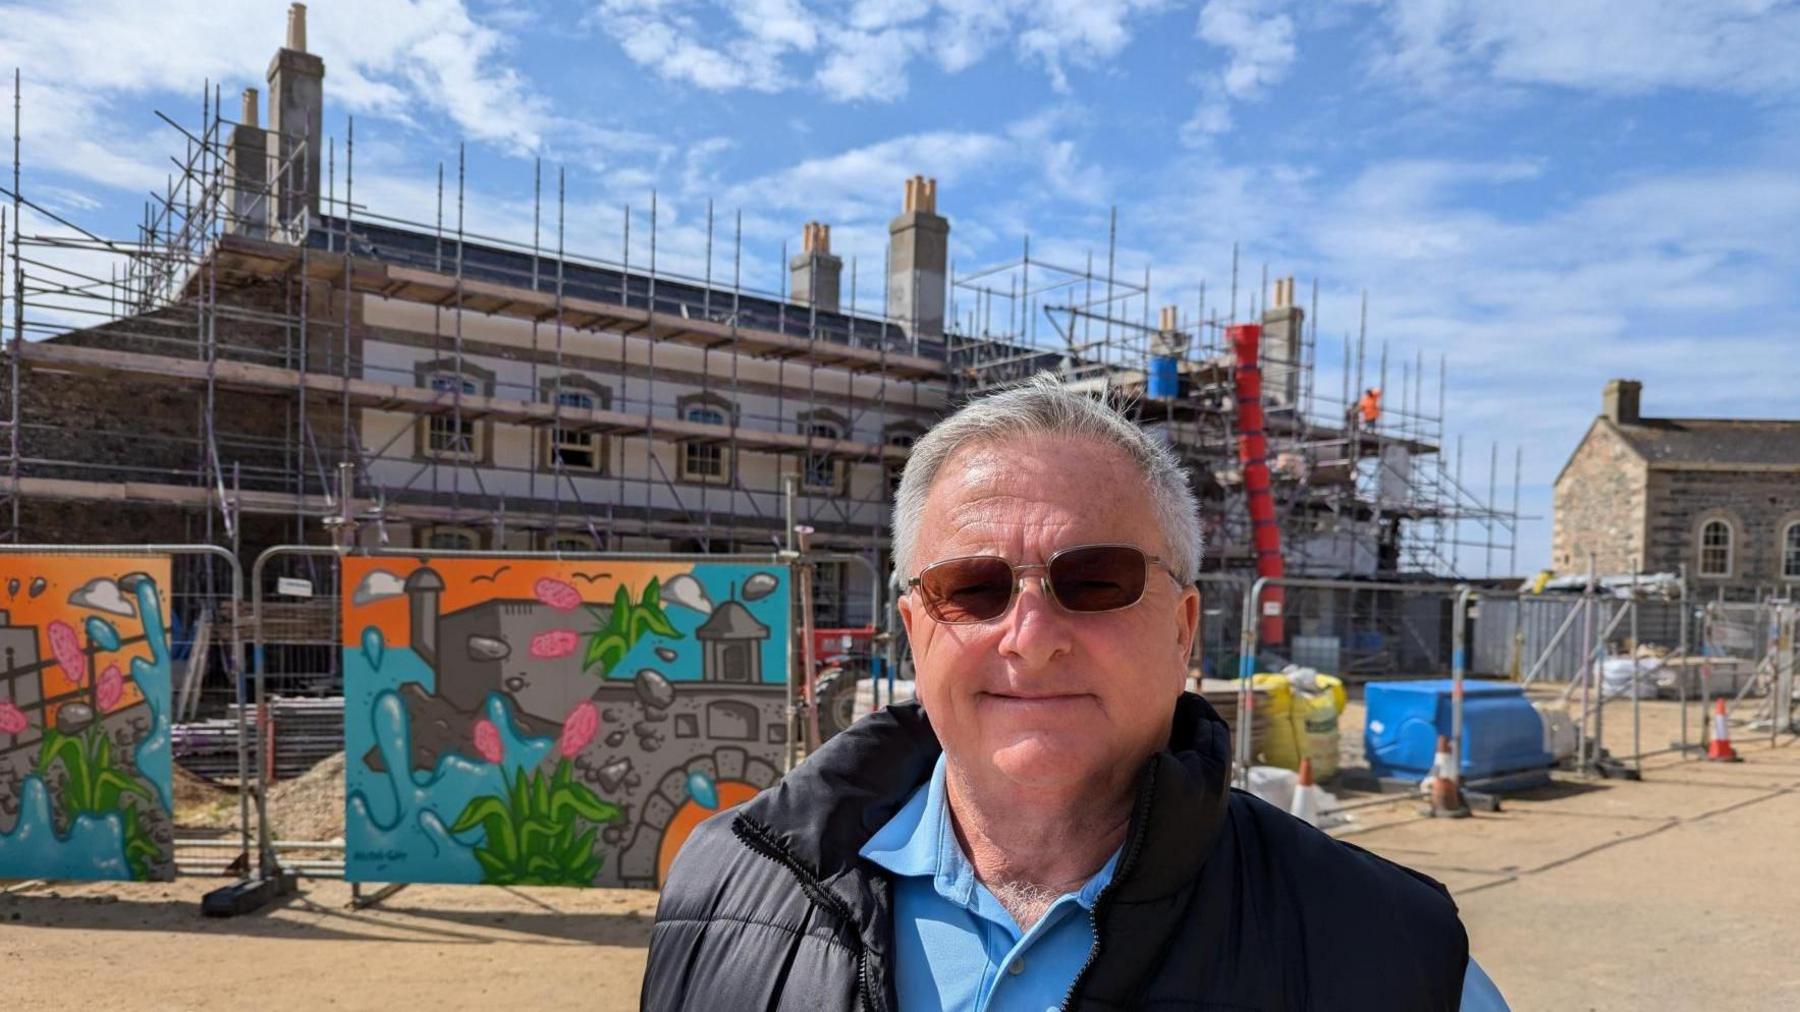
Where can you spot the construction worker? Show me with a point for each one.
(1369, 407)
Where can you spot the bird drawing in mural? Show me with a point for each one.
(590, 577)
(491, 577)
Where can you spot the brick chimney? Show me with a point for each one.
(1283, 327)
(918, 262)
(815, 276)
(247, 166)
(1620, 401)
(296, 123)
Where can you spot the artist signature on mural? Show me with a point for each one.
(390, 854)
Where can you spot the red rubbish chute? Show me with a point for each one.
(1253, 454)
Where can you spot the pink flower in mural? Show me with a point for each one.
(582, 724)
(66, 645)
(557, 594)
(487, 741)
(110, 688)
(555, 643)
(12, 719)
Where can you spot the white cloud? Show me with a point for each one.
(1622, 47)
(1257, 37)
(863, 52)
(102, 594)
(379, 585)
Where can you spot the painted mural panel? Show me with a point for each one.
(529, 721)
(84, 718)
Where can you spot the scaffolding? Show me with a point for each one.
(1352, 498)
(264, 328)
(265, 354)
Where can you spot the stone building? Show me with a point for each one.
(1720, 496)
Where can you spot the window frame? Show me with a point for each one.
(553, 442)
(584, 542)
(890, 434)
(1701, 548)
(1787, 550)
(693, 452)
(821, 473)
(426, 535)
(475, 382)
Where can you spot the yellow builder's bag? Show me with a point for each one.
(1299, 716)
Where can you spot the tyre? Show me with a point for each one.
(836, 693)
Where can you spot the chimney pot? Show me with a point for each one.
(296, 33)
(248, 115)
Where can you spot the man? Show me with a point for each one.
(1053, 826)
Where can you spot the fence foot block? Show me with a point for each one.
(247, 896)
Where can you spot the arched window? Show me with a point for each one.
(820, 472)
(573, 448)
(704, 461)
(454, 539)
(903, 436)
(452, 436)
(1790, 551)
(569, 541)
(1715, 548)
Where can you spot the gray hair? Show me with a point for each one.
(1043, 406)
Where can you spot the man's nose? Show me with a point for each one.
(1036, 630)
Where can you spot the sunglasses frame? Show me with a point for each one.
(1018, 582)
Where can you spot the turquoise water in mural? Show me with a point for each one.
(396, 823)
(94, 846)
(720, 583)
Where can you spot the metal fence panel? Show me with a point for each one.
(1512, 634)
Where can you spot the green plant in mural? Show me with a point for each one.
(627, 624)
(98, 785)
(531, 836)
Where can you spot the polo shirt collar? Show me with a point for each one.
(920, 841)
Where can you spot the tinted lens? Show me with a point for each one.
(967, 590)
(1098, 578)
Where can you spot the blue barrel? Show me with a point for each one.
(1165, 382)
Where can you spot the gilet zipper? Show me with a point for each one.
(752, 836)
(1139, 816)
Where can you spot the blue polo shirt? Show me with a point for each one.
(957, 949)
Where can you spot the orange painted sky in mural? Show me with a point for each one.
(63, 575)
(470, 581)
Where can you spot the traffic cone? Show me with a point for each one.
(1446, 792)
(1305, 805)
(1719, 749)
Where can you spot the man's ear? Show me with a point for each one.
(1187, 620)
(904, 604)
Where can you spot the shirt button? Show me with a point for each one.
(1016, 967)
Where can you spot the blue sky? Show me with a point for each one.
(1548, 193)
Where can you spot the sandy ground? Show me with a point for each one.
(1677, 892)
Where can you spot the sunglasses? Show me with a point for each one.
(1084, 580)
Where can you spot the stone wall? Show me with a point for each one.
(1600, 506)
(1758, 505)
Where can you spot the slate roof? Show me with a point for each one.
(1716, 441)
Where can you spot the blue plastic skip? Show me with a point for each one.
(1502, 733)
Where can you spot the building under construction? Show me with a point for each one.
(209, 378)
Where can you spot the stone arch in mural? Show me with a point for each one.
(640, 858)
